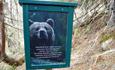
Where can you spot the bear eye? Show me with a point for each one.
(46, 28)
(37, 29)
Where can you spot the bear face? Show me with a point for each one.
(42, 33)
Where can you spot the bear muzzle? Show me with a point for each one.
(43, 35)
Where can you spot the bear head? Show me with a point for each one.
(42, 32)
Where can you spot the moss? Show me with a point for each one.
(106, 37)
(76, 32)
(88, 29)
(13, 67)
(113, 35)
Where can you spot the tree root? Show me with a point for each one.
(12, 61)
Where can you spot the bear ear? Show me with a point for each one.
(50, 22)
(31, 21)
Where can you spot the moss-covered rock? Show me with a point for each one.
(107, 36)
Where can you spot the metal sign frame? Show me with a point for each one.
(47, 7)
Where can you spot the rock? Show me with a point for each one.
(22, 67)
(111, 21)
(104, 61)
(89, 53)
(109, 44)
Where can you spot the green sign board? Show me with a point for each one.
(47, 33)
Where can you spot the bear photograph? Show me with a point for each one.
(47, 37)
(42, 33)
